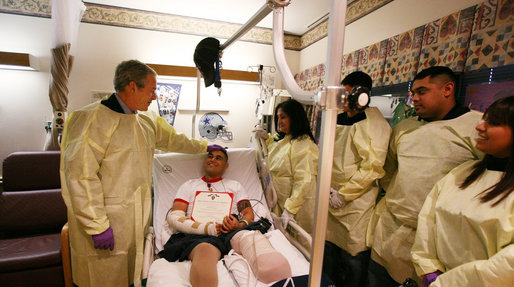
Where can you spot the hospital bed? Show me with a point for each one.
(170, 170)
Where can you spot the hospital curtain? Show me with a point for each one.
(61, 65)
(492, 43)
(60, 70)
(66, 16)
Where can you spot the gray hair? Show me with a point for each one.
(131, 70)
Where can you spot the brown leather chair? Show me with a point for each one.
(32, 214)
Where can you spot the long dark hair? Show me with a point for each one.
(501, 112)
(299, 123)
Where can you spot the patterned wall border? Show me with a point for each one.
(115, 16)
(360, 8)
(39, 8)
(131, 18)
(355, 10)
(315, 34)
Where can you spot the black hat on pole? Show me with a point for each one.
(206, 53)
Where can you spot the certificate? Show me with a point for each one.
(211, 206)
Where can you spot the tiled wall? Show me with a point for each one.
(446, 41)
(372, 61)
(474, 38)
(402, 58)
(492, 43)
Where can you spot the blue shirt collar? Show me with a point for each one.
(126, 109)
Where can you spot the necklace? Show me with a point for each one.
(209, 182)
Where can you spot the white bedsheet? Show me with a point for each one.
(164, 273)
(176, 274)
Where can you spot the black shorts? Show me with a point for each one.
(180, 245)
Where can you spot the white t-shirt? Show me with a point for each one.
(187, 192)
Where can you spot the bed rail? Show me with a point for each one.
(300, 231)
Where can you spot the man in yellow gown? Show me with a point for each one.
(360, 149)
(106, 175)
(422, 150)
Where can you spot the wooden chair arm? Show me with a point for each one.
(65, 255)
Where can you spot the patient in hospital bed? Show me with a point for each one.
(203, 234)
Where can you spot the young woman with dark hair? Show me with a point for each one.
(465, 231)
(296, 114)
(293, 163)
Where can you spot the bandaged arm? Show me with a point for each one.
(178, 221)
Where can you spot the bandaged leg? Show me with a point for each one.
(179, 222)
(267, 264)
(204, 260)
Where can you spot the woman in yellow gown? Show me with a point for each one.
(465, 234)
(293, 163)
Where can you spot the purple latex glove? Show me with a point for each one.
(430, 277)
(104, 240)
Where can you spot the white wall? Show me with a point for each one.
(392, 19)
(101, 48)
(25, 105)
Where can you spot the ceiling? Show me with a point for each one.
(298, 17)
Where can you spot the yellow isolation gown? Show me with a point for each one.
(293, 167)
(420, 153)
(471, 242)
(106, 177)
(359, 154)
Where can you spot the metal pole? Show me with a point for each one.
(198, 87)
(296, 92)
(256, 18)
(328, 127)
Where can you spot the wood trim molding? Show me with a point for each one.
(185, 71)
(15, 59)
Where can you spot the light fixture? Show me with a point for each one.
(18, 61)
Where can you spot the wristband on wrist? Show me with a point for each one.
(242, 220)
